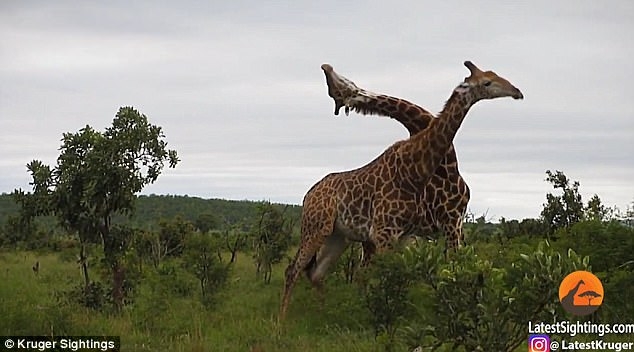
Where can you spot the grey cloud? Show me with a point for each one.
(238, 90)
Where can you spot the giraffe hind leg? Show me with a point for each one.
(328, 254)
(311, 242)
(294, 269)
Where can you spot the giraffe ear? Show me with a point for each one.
(472, 68)
(462, 87)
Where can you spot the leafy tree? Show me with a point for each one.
(235, 240)
(533, 227)
(595, 210)
(626, 217)
(172, 235)
(206, 221)
(98, 175)
(15, 231)
(167, 241)
(509, 228)
(619, 282)
(609, 244)
(563, 210)
(142, 247)
(272, 236)
(201, 259)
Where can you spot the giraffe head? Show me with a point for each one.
(487, 85)
(339, 88)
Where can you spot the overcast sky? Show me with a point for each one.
(238, 89)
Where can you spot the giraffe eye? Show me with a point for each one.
(487, 83)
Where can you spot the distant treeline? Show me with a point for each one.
(153, 208)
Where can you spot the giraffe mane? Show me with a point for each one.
(445, 108)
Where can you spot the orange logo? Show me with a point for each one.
(581, 293)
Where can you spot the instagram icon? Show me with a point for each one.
(538, 343)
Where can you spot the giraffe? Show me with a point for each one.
(377, 202)
(446, 195)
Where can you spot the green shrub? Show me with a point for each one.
(171, 279)
(386, 286)
(94, 296)
(479, 307)
(201, 257)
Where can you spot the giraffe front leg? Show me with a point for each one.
(452, 228)
(381, 240)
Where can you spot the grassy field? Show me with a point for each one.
(245, 318)
(161, 319)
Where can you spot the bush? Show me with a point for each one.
(386, 285)
(482, 307)
(170, 279)
(465, 302)
(94, 296)
(163, 302)
(202, 259)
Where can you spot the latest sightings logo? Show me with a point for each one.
(581, 293)
(538, 343)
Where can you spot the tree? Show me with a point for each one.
(533, 227)
(235, 240)
(201, 258)
(98, 175)
(206, 221)
(16, 230)
(272, 235)
(628, 217)
(563, 210)
(596, 211)
(172, 235)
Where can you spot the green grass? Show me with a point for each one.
(245, 317)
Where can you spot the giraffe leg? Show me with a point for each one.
(315, 231)
(380, 242)
(452, 228)
(328, 254)
(302, 259)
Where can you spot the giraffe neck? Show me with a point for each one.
(423, 152)
(410, 115)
